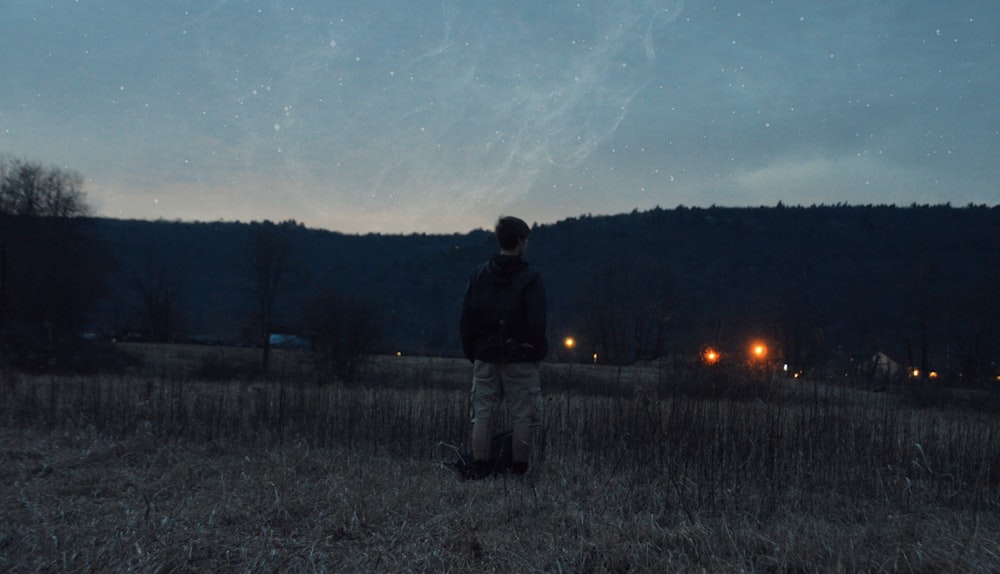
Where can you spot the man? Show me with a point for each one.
(503, 334)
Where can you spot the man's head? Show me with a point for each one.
(512, 233)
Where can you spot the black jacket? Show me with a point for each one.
(503, 314)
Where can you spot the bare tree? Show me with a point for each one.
(270, 258)
(51, 266)
(343, 330)
(30, 189)
(626, 309)
(159, 279)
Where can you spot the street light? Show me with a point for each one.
(570, 344)
(711, 356)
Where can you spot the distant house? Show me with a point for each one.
(286, 341)
(881, 369)
(882, 366)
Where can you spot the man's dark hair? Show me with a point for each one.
(510, 230)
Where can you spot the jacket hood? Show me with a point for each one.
(503, 268)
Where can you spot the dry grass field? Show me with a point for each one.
(158, 471)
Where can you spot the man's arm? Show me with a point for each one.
(465, 325)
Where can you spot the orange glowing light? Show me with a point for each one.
(711, 356)
(569, 342)
(758, 350)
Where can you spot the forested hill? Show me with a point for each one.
(823, 284)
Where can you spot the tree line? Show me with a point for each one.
(825, 286)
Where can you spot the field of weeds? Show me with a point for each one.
(146, 472)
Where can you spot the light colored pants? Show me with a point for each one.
(519, 386)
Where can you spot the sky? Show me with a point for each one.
(437, 116)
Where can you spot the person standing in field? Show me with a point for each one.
(503, 334)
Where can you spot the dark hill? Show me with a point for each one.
(823, 284)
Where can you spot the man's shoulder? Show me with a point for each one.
(480, 268)
(531, 273)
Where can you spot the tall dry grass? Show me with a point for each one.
(140, 473)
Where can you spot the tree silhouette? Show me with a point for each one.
(273, 272)
(52, 266)
(28, 188)
(626, 307)
(343, 330)
(158, 277)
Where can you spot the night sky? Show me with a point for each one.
(403, 116)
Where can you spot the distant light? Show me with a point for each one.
(915, 373)
(758, 350)
(711, 356)
(399, 353)
(569, 342)
(933, 374)
(785, 367)
(595, 360)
